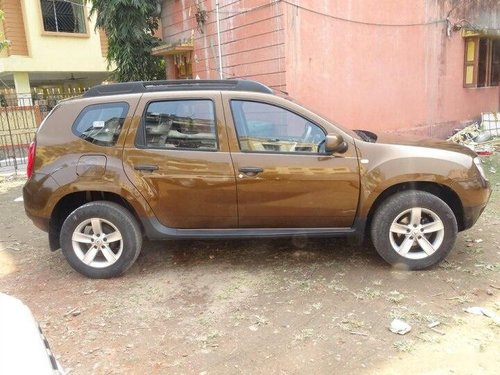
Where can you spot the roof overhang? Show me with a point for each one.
(491, 33)
(169, 49)
(54, 78)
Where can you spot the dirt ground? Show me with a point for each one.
(282, 306)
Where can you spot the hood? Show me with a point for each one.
(424, 142)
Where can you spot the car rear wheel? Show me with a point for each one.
(101, 239)
(414, 229)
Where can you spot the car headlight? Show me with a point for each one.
(479, 166)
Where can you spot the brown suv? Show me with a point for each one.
(230, 159)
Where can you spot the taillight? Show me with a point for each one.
(31, 159)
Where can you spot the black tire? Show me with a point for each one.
(400, 209)
(111, 219)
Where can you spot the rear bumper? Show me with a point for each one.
(40, 222)
(36, 193)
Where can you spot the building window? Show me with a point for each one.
(63, 16)
(482, 62)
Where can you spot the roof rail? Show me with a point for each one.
(176, 85)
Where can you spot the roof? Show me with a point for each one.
(176, 85)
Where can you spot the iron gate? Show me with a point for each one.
(20, 116)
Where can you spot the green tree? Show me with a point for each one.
(3, 42)
(129, 26)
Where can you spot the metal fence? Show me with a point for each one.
(20, 116)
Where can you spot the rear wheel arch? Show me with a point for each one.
(70, 202)
(445, 193)
(101, 239)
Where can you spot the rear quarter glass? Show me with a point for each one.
(101, 124)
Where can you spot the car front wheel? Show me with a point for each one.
(101, 239)
(414, 229)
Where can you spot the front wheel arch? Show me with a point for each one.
(446, 194)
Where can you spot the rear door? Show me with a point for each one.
(177, 155)
(284, 177)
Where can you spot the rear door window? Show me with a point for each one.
(101, 123)
(180, 124)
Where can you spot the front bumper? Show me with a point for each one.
(472, 213)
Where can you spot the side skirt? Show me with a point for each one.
(154, 230)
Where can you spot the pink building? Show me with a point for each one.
(415, 66)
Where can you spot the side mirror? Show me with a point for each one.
(335, 144)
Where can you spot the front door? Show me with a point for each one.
(284, 177)
(177, 155)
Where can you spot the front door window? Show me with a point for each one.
(267, 128)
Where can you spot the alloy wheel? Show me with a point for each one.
(97, 243)
(416, 233)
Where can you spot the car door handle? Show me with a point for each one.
(146, 167)
(251, 171)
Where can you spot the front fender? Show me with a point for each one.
(385, 166)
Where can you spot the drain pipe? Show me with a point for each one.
(219, 38)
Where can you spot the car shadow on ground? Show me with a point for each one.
(256, 253)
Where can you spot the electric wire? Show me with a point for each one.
(433, 22)
(301, 7)
(306, 9)
(236, 13)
